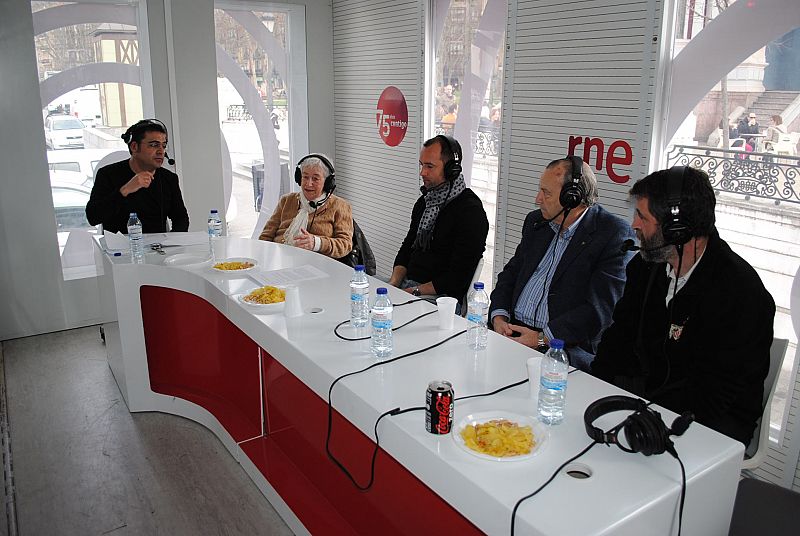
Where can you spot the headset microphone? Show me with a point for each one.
(170, 161)
(630, 245)
(316, 204)
(548, 220)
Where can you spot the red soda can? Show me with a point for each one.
(439, 407)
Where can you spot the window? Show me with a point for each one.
(83, 123)
(262, 106)
(752, 163)
(468, 80)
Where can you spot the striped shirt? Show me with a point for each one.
(531, 306)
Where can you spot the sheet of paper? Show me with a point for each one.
(185, 239)
(289, 276)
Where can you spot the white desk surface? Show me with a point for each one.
(626, 494)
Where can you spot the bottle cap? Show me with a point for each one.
(478, 285)
(558, 344)
(382, 290)
(133, 215)
(214, 211)
(359, 267)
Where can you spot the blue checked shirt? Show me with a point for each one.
(529, 309)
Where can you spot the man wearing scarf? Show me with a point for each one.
(448, 229)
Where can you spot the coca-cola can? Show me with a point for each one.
(439, 407)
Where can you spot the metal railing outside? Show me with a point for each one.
(763, 175)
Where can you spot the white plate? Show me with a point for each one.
(262, 308)
(540, 433)
(235, 259)
(186, 260)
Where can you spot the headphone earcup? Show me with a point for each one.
(452, 170)
(646, 432)
(676, 232)
(571, 195)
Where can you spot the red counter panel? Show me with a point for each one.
(292, 458)
(195, 353)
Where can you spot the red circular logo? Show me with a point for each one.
(391, 116)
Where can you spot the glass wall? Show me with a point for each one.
(259, 104)
(90, 85)
(468, 37)
(744, 132)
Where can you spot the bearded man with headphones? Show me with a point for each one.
(139, 184)
(568, 271)
(313, 218)
(448, 228)
(697, 341)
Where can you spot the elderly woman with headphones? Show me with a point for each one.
(313, 218)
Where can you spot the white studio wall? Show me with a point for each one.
(378, 45)
(580, 78)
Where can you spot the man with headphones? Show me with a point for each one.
(139, 184)
(568, 271)
(448, 228)
(313, 218)
(693, 329)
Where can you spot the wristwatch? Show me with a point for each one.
(416, 292)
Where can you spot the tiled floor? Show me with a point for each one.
(84, 465)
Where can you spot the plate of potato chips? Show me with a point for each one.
(266, 299)
(235, 264)
(500, 436)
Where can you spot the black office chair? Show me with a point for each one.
(361, 252)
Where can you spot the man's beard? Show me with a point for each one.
(654, 249)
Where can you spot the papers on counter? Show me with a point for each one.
(289, 276)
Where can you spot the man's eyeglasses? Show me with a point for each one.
(157, 144)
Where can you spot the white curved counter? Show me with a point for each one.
(183, 345)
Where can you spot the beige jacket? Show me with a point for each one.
(332, 223)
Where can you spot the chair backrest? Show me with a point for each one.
(756, 451)
(476, 275)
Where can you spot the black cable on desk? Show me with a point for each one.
(330, 410)
(540, 488)
(342, 323)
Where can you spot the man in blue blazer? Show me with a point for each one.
(569, 269)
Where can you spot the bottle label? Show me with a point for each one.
(553, 381)
(356, 297)
(475, 317)
(381, 323)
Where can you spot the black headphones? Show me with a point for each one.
(676, 229)
(644, 429)
(572, 192)
(452, 168)
(143, 125)
(330, 180)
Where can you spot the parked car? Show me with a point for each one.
(75, 178)
(63, 132)
(69, 202)
(78, 160)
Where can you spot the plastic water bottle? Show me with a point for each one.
(359, 297)
(135, 238)
(382, 325)
(553, 383)
(477, 316)
(214, 225)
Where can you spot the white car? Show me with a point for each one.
(63, 132)
(69, 203)
(77, 160)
